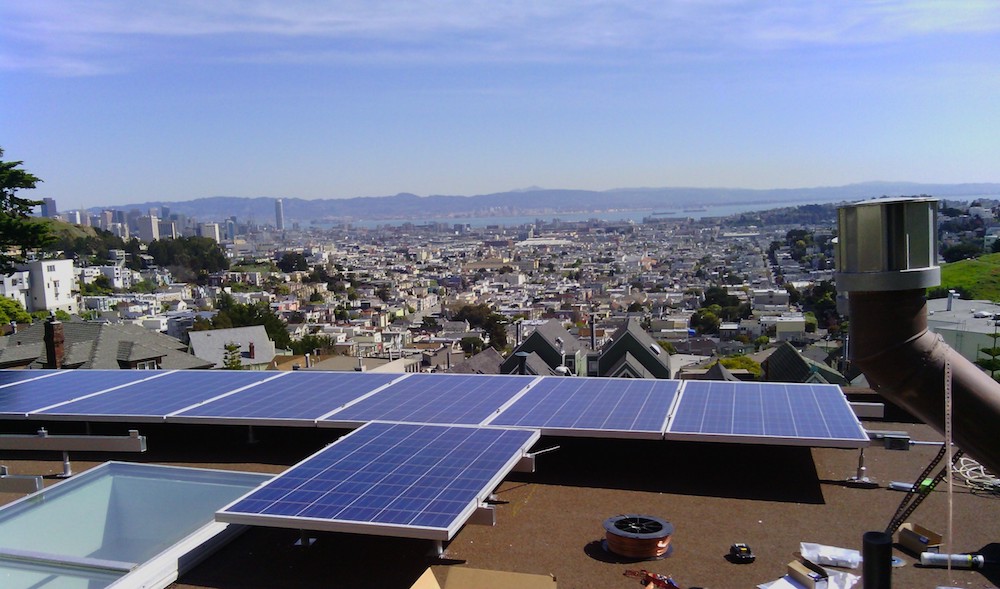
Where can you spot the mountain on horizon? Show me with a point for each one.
(541, 201)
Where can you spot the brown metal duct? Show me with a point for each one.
(904, 362)
(886, 258)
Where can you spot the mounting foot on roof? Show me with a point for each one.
(861, 480)
(67, 467)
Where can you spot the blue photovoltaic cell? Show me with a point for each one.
(296, 395)
(766, 410)
(606, 404)
(11, 376)
(159, 396)
(387, 475)
(28, 396)
(436, 398)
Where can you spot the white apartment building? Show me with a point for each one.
(16, 286)
(120, 277)
(51, 284)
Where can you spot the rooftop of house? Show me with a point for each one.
(97, 345)
(550, 522)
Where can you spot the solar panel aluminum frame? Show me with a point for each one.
(381, 529)
(772, 440)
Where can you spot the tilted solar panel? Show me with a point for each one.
(615, 407)
(435, 398)
(59, 386)
(153, 399)
(771, 413)
(298, 395)
(9, 377)
(409, 480)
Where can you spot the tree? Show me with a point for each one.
(12, 310)
(312, 342)
(18, 233)
(961, 251)
(471, 344)
(293, 261)
(233, 314)
(743, 362)
(706, 319)
(232, 360)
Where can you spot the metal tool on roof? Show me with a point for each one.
(648, 579)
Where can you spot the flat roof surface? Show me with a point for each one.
(550, 522)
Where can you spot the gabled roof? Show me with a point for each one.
(786, 364)
(632, 339)
(486, 362)
(97, 345)
(533, 364)
(719, 372)
(548, 341)
(628, 367)
(211, 344)
(557, 336)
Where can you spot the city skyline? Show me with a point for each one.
(112, 104)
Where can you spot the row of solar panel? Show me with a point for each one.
(758, 412)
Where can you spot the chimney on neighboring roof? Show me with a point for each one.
(951, 298)
(522, 362)
(253, 351)
(54, 343)
(593, 333)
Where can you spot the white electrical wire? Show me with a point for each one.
(974, 476)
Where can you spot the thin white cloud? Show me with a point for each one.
(86, 37)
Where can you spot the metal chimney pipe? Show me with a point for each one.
(886, 258)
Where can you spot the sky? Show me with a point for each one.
(123, 101)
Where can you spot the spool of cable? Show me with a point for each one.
(640, 537)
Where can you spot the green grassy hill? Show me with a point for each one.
(980, 277)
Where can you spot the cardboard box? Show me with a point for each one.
(918, 539)
(457, 577)
(807, 574)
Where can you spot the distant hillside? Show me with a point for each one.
(979, 278)
(543, 201)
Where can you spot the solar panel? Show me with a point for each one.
(408, 480)
(295, 396)
(9, 377)
(153, 399)
(613, 407)
(772, 413)
(58, 386)
(435, 398)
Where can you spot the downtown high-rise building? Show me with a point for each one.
(49, 208)
(279, 215)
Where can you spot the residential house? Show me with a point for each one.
(94, 345)
(256, 348)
